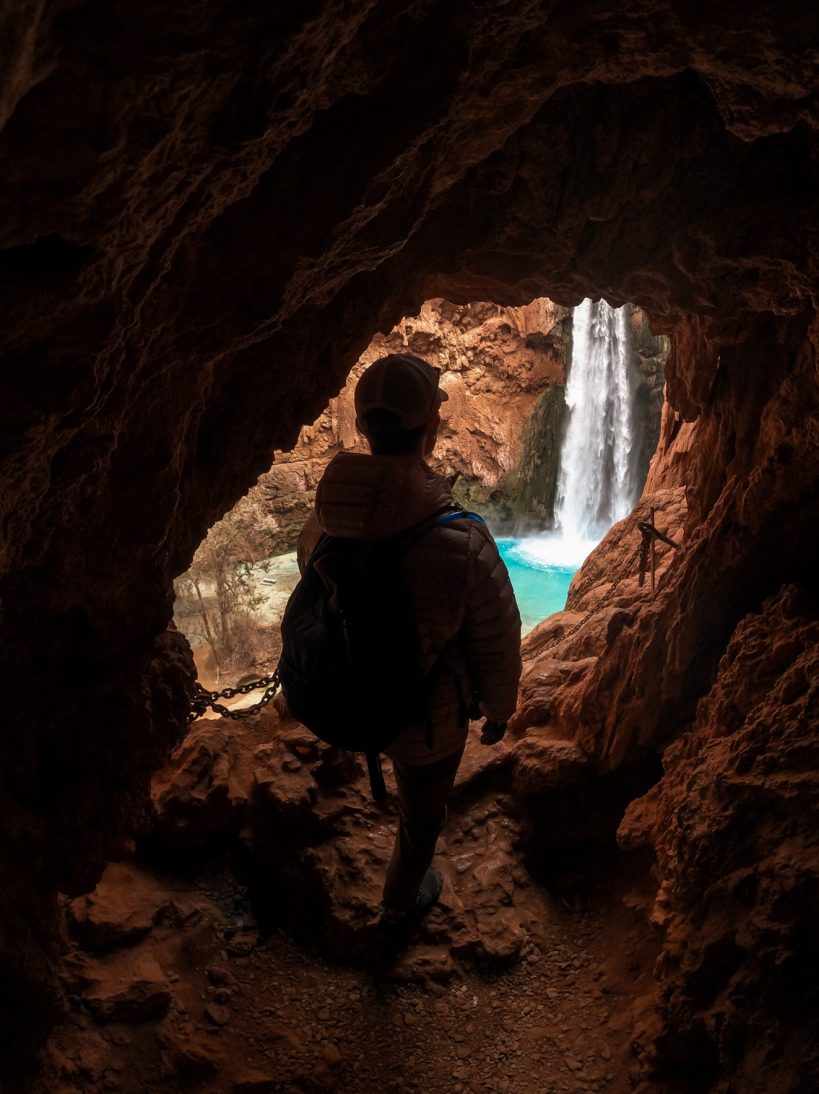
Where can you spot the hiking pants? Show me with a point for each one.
(423, 791)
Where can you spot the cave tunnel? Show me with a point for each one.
(209, 211)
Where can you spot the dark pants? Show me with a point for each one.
(423, 791)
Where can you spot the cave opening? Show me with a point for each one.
(549, 478)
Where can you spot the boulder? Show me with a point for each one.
(203, 791)
(128, 987)
(123, 908)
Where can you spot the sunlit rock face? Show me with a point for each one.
(211, 210)
(496, 363)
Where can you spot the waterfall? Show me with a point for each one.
(597, 478)
(598, 474)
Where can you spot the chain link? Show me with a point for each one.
(202, 698)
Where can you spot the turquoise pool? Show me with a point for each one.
(541, 583)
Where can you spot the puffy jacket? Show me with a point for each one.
(461, 597)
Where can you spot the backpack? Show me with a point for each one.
(349, 663)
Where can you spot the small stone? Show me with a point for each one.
(217, 1014)
(324, 1015)
(331, 1053)
(220, 976)
(254, 1082)
(130, 987)
(605, 1052)
(463, 1052)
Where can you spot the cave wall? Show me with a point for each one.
(206, 218)
(648, 355)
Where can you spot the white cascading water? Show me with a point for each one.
(597, 479)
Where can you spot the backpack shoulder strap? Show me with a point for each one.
(453, 512)
(459, 514)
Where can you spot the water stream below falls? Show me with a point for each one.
(540, 586)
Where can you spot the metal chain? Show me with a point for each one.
(601, 603)
(202, 698)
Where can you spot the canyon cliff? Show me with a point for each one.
(496, 363)
(209, 211)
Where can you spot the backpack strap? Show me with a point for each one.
(378, 787)
(452, 512)
(447, 518)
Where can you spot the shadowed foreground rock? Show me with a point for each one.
(737, 975)
(212, 208)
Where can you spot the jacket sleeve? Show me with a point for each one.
(491, 630)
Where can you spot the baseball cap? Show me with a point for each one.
(403, 384)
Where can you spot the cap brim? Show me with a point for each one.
(442, 395)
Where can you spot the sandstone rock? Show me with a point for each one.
(497, 944)
(218, 1014)
(204, 789)
(287, 793)
(561, 655)
(672, 461)
(218, 975)
(254, 1082)
(86, 1062)
(425, 965)
(128, 987)
(331, 1054)
(543, 764)
(122, 909)
(737, 857)
(191, 1056)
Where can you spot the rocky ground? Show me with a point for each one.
(511, 984)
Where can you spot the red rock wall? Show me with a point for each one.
(206, 218)
(737, 863)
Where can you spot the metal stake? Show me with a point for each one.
(653, 552)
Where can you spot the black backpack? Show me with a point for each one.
(349, 662)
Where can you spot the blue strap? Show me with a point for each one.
(447, 517)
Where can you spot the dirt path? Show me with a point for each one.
(252, 1013)
(171, 984)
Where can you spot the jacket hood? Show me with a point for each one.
(372, 497)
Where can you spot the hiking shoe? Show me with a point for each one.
(396, 927)
(429, 891)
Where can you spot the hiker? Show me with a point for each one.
(460, 604)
